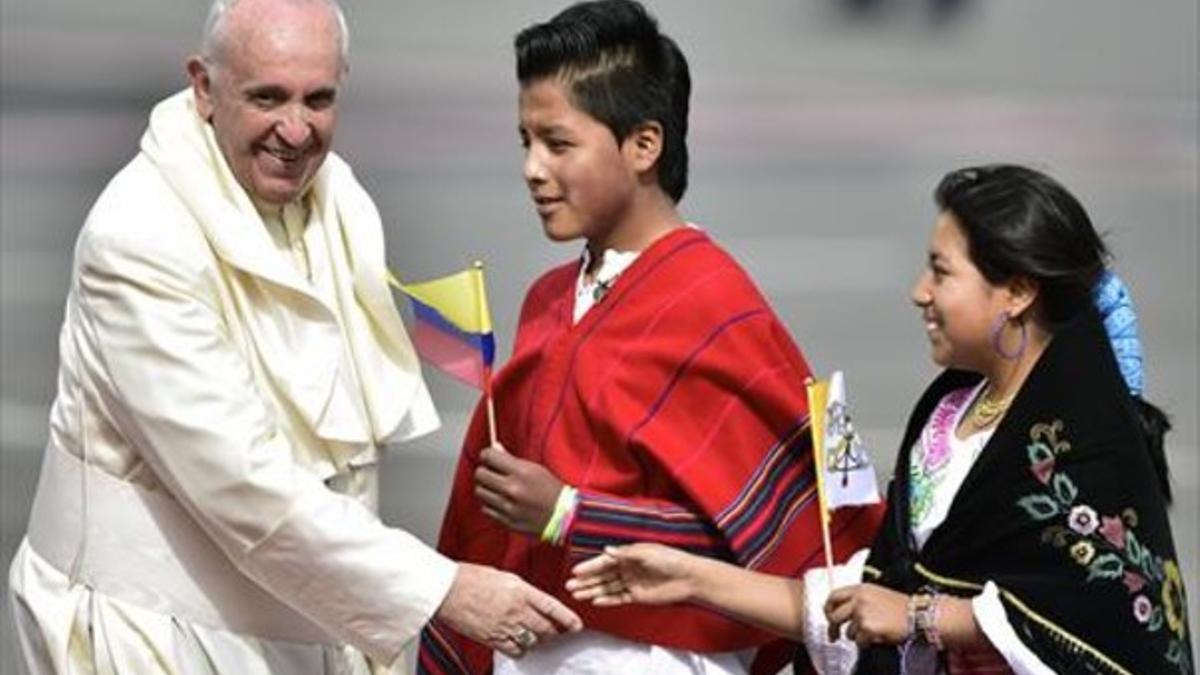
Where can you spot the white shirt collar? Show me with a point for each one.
(612, 264)
(589, 292)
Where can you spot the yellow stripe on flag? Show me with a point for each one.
(461, 298)
(818, 394)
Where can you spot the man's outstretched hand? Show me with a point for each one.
(500, 610)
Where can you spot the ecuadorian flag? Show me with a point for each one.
(453, 326)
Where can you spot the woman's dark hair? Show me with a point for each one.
(1021, 223)
(619, 69)
(1155, 425)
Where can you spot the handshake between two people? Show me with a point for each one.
(498, 608)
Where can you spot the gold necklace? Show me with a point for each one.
(986, 411)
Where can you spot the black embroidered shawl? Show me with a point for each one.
(1062, 511)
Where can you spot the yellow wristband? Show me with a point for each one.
(563, 506)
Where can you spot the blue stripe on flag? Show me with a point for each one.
(484, 342)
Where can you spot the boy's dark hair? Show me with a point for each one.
(619, 69)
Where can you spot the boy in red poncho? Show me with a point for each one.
(652, 394)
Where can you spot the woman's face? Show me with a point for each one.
(960, 307)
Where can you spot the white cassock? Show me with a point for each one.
(207, 500)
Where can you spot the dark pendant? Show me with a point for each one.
(601, 290)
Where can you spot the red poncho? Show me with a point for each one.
(677, 406)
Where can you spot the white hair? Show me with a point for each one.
(214, 29)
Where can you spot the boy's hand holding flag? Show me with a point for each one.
(453, 331)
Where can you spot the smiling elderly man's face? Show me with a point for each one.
(271, 93)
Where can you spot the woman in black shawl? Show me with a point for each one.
(1059, 524)
(1026, 528)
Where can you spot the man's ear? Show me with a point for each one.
(198, 71)
(643, 146)
(1022, 294)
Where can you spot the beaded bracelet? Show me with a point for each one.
(924, 621)
(910, 630)
(918, 607)
(919, 651)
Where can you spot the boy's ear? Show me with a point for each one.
(643, 146)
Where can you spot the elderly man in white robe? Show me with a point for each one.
(231, 364)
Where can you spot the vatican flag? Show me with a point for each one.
(845, 469)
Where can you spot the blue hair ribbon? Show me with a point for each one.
(1115, 305)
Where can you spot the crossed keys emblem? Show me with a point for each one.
(845, 451)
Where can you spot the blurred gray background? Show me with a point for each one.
(819, 129)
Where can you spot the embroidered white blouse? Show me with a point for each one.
(938, 466)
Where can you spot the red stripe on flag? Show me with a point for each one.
(462, 361)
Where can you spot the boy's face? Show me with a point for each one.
(581, 181)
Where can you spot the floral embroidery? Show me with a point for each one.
(1113, 531)
(1043, 469)
(935, 438)
(1142, 608)
(1172, 598)
(1134, 581)
(1083, 552)
(1083, 519)
(931, 453)
(1106, 545)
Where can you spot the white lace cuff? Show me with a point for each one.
(829, 658)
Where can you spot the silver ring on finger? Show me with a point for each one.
(524, 637)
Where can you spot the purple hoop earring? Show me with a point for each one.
(997, 334)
